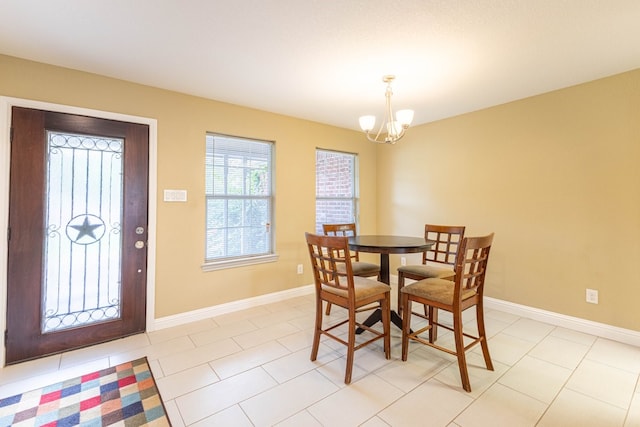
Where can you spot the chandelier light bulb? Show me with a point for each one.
(405, 117)
(367, 123)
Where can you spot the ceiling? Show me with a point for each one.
(323, 60)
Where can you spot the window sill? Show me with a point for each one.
(238, 262)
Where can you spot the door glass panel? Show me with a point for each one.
(82, 245)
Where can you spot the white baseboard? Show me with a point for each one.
(614, 333)
(217, 310)
(626, 336)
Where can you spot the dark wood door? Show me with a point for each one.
(77, 232)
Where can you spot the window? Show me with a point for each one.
(336, 188)
(239, 192)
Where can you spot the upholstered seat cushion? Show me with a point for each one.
(440, 290)
(426, 271)
(362, 268)
(364, 288)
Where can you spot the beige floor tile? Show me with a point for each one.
(575, 409)
(189, 359)
(290, 366)
(173, 413)
(155, 351)
(88, 354)
(430, 404)
(186, 381)
(506, 348)
(287, 399)
(374, 422)
(233, 416)
(304, 323)
(529, 330)
(633, 416)
(575, 336)
(181, 330)
(536, 378)
(219, 333)
(274, 317)
(371, 358)
(335, 371)
(419, 367)
(236, 316)
(298, 340)
(619, 355)
(501, 316)
(206, 401)
(479, 376)
(248, 359)
(266, 334)
(302, 418)
(355, 404)
(603, 382)
(156, 369)
(516, 409)
(560, 351)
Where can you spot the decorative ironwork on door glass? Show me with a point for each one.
(82, 268)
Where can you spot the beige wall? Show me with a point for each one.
(181, 285)
(556, 177)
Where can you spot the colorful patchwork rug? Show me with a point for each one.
(125, 395)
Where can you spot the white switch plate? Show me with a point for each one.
(403, 261)
(175, 195)
(300, 268)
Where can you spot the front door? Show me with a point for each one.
(78, 207)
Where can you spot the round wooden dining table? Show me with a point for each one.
(385, 245)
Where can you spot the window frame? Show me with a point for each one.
(355, 198)
(223, 262)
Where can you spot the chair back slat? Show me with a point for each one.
(472, 261)
(447, 242)
(327, 253)
(347, 230)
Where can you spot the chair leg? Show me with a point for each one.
(433, 321)
(316, 331)
(483, 336)
(406, 325)
(328, 310)
(351, 341)
(385, 305)
(400, 286)
(462, 360)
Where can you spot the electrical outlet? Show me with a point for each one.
(592, 296)
(300, 269)
(403, 261)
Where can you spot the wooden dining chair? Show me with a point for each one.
(335, 283)
(439, 260)
(465, 291)
(360, 268)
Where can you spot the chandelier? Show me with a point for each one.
(394, 129)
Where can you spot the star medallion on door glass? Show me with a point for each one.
(85, 229)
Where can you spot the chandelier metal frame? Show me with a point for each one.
(394, 128)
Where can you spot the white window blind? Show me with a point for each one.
(239, 198)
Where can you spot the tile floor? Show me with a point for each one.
(252, 368)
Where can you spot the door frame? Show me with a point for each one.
(6, 103)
